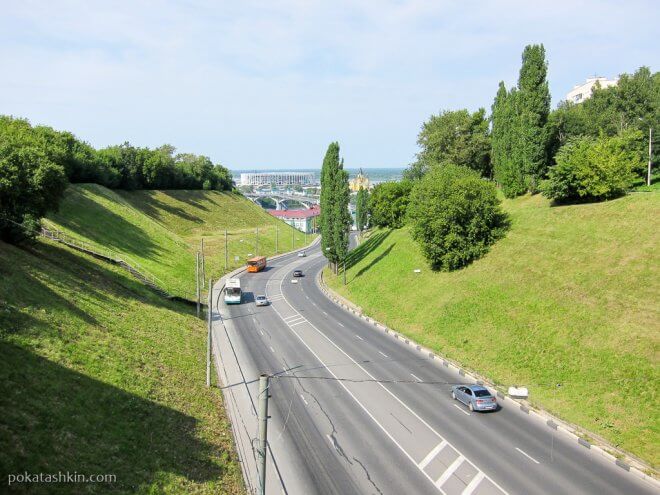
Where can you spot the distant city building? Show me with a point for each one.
(303, 220)
(277, 178)
(360, 181)
(581, 92)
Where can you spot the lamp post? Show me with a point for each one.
(648, 172)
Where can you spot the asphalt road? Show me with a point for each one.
(355, 411)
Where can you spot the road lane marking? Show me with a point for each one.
(359, 337)
(461, 409)
(416, 377)
(431, 455)
(292, 317)
(382, 354)
(340, 324)
(303, 399)
(298, 323)
(326, 314)
(261, 331)
(473, 484)
(363, 407)
(450, 470)
(271, 348)
(527, 455)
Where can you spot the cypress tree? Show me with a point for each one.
(341, 216)
(361, 206)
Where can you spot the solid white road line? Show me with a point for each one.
(527, 455)
(461, 409)
(450, 470)
(359, 337)
(473, 484)
(383, 354)
(431, 455)
(416, 377)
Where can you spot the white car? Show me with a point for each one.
(302, 254)
(261, 301)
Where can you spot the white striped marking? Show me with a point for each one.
(473, 484)
(298, 323)
(272, 350)
(261, 332)
(383, 354)
(431, 455)
(340, 324)
(326, 314)
(303, 399)
(450, 470)
(416, 377)
(527, 455)
(461, 409)
(359, 337)
(292, 317)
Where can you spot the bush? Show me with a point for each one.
(590, 168)
(388, 203)
(455, 216)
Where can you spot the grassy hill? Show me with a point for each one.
(570, 296)
(161, 230)
(98, 375)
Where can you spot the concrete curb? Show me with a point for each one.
(633, 466)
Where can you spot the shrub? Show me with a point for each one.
(590, 168)
(455, 216)
(388, 203)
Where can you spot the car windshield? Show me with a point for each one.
(482, 393)
(261, 298)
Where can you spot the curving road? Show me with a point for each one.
(356, 411)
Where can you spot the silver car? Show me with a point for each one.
(476, 397)
(261, 301)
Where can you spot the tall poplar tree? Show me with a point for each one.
(341, 216)
(361, 207)
(327, 199)
(533, 110)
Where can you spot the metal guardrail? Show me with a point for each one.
(131, 265)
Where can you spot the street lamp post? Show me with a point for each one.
(648, 172)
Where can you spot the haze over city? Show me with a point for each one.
(257, 86)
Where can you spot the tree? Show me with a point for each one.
(520, 134)
(362, 209)
(327, 200)
(31, 184)
(453, 136)
(341, 216)
(590, 169)
(388, 203)
(455, 216)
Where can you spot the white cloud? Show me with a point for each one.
(271, 83)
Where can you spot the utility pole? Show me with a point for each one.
(203, 268)
(197, 294)
(277, 238)
(225, 250)
(648, 173)
(344, 271)
(263, 431)
(208, 340)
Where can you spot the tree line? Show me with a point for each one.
(590, 151)
(37, 163)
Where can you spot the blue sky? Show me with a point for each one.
(270, 84)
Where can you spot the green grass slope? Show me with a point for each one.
(98, 375)
(161, 230)
(570, 296)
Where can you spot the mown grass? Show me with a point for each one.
(161, 230)
(98, 375)
(570, 297)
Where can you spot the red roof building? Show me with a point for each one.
(303, 220)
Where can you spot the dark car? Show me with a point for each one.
(476, 397)
(297, 273)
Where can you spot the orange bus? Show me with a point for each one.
(256, 264)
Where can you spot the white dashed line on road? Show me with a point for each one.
(359, 337)
(461, 409)
(382, 354)
(416, 377)
(528, 456)
(272, 350)
(340, 324)
(303, 399)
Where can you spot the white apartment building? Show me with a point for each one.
(277, 178)
(581, 92)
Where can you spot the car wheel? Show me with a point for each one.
(453, 395)
(471, 406)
